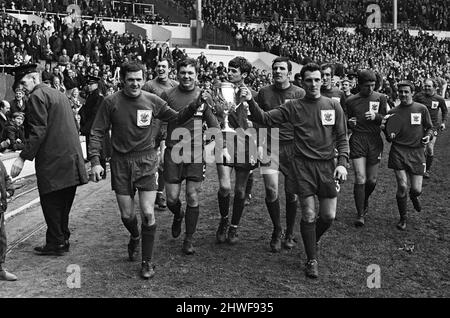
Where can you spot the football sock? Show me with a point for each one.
(238, 208)
(248, 188)
(161, 182)
(402, 204)
(308, 231)
(131, 224)
(359, 194)
(224, 204)
(274, 212)
(291, 212)
(191, 219)
(370, 187)
(175, 208)
(429, 162)
(322, 226)
(148, 240)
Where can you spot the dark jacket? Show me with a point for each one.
(15, 133)
(3, 124)
(16, 108)
(89, 110)
(53, 141)
(5, 187)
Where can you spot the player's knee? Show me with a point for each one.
(291, 197)
(308, 215)
(360, 179)
(171, 202)
(401, 191)
(148, 219)
(239, 192)
(128, 217)
(224, 190)
(271, 194)
(192, 199)
(371, 181)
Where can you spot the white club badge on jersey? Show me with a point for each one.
(200, 111)
(144, 117)
(434, 105)
(328, 117)
(374, 107)
(416, 118)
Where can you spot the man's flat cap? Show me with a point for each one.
(22, 70)
(92, 79)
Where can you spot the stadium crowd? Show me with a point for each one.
(91, 49)
(425, 14)
(93, 8)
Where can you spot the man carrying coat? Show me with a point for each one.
(54, 144)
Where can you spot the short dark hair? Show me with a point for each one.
(129, 67)
(187, 62)
(432, 80)
(164, 59)
(407, 84)
(310, 67)
(241, 63)
(327, 65)
(283, 59)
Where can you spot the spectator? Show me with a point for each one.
(202, 61)
(56, 84)
(4, 118)
(70, 81)
(63, 59)
(47, 73)
(177, 54)
(15, 132)
(18, 103)
(76, 102)
(47, 54)
(57, 73)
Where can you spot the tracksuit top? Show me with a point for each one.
(319, 126)
(336, 94)
(271, 97)
(357, 105)
(415, 123)
(433, 103)
(178, 99)
(130, 119)
(157, 87)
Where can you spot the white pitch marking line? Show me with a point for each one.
(23, 207)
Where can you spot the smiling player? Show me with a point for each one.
(319, 127)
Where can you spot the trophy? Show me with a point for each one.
(227, 94)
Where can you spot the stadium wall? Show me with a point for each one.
(27, 17)
(155, 32)
(6, 82)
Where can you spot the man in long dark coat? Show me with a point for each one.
(87, 115)
(54, 144)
